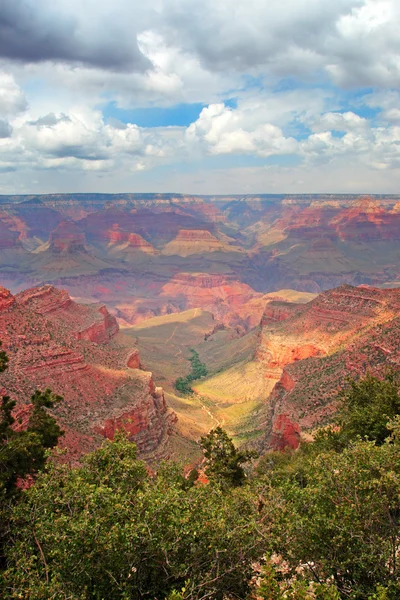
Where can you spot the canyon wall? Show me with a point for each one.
(344, 332)
(77, 351)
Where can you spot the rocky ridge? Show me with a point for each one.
(125, 241)
(78, 352)
(310, 349)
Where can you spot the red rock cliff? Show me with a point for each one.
(49, 340)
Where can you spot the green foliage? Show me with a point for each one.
(6, 418)
(193, 476)
(3, 360)
(40, 422)
(22, 453)
(110, 530)
(327, 516)
(341, 518)
(183, 386)
(223, 460)
(366, 408)
(198, 370)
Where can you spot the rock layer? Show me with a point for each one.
(132, 245)
(67, 238)
(76, 350)
(195, 241)
(317, 345)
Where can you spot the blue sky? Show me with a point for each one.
(226, 97)
(179, 115)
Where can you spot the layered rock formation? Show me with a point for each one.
(122, 240)
(231, 302)
(146, 223)
(194, 241)
(311, 349)
(35, 220)
(66, 253)
(131, 250)
(67, 237)
(6, 299)
(76, 350)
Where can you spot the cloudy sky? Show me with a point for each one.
(217, 96)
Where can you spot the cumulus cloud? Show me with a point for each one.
(223, 130)
(366, 49)
(354, 42)
(64, 137)
(244, 35)
(335, 121)
(287, 69)
(82, 141)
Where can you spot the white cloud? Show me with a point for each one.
(335, 121)
(273, 58)
(222, 130)
(12, 99)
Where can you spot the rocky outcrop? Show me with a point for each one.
(343, 331)
(285, 433)
(76, 350)
(276, 311)
(146, 423)
(45, 300)
(133, 361)
(58, 362)
(6, 299)
(67, 238)
(366, 220)
(8, 239)
(192, 241)
(100, 331)
(231, 302)
(128, 242)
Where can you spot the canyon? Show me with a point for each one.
(282, 296)
(139, 253)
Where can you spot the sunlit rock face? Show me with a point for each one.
(77, 351)
(194, 241)
(311, 349)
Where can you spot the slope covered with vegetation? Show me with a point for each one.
(322, 522)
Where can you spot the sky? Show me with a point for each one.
(211, 97)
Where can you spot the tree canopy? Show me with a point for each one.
(223, 461)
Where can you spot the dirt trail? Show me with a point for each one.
(171, 336)
(217, 422)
